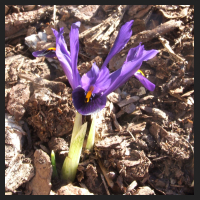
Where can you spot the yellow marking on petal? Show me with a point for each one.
(89, 94)
(139, 71)
(52, 48)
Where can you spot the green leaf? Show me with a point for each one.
(53, 162)
(91, 136)
(71, 162)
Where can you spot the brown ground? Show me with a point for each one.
(144, 140)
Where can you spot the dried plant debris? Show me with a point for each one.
(132, 164)
(50, 108)
(92, 180)
(171, 143)
(174, 11)
(172, 174)
(21, 64)
(94, 37)
(103, 120)
(18, 21)
(148, 35)
(85, 13)
(135, 168)
(155, 111)
(41, 182)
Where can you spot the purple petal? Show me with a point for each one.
(122, 38)
(135, 53)
(90, 77)
(74, 49)
(45, 53)
(147, 84)
(120, 76)
(99, 79)
(96, 103)
(61, 40)
(103, 81)
(63, 55)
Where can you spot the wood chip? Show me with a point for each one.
(128, 101)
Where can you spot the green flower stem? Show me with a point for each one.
(91, 136)
(53, 162)
(71, 162)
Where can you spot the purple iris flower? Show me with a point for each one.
(90, 90)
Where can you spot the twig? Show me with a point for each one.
(20, 65)
(112, 21)
(148, 35)
(19, 21)
(106, 187)
(165, 43)
(131, 187)
(117, 125)
(131, 135)
(109, 181)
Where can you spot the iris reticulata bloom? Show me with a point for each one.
(90, 90)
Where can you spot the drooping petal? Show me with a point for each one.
(45, 53)
(120, 76)
(95, 104)
(63, 55)
(147, 84)
(74, 49)
(122, 38)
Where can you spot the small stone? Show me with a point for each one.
(41, 182)
(73, 190)
(141, 91)
(32, 40)
(42, 36)
(145, 190)
(129, 108)
(128, 101)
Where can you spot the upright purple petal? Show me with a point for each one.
(90, 77)
(103, 81)
(63, 56)
(147, 84)
(99, 79)
(129, 68)
(61, 40)
(96, 103)
(74, 49)
(135, 53)
(122, 38)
